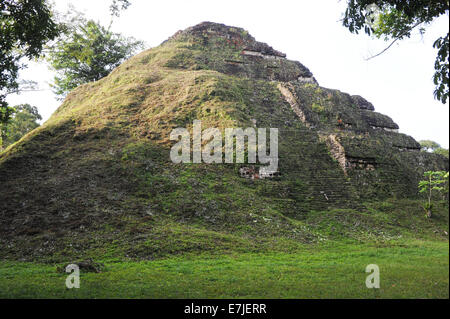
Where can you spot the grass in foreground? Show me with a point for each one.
(418, 269)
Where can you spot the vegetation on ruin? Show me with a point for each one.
(96, 182)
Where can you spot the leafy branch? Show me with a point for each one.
(434, 181)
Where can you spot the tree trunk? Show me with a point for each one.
(429, 200)
(1, 137)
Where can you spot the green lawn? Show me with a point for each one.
(414, 269)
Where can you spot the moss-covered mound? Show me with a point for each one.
(96, 178)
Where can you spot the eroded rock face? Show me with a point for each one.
(365, 144)
(103, 158)
(362, 103)
(233, 51)
(238, 36)
(223, 75)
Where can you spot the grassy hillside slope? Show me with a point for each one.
(96, 181)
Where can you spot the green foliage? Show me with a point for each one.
(25, 26)
(5, 115)
(428, 145)
(440, 78)
(433, 147)
(117, 6)
(441, 151)
(317, 108)
(24, 120)
(396, 21)
(86, 53)
(434, 181)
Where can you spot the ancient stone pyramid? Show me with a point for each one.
(104, 153)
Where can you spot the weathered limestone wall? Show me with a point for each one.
(379, 161)
(365, 145)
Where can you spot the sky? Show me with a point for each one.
(398, 82)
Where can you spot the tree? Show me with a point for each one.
(395, 20)
(117, 6)
(5, 116)
(434, 181)
(25, 27)
(441, 151)
(429, 146)
(24, 120)
(87, 52)
(433, 147)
